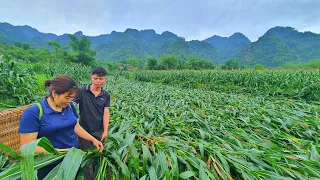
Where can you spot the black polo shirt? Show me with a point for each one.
(92, 108)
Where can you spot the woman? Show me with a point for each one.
(58, 122)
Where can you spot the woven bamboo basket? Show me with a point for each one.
(9, 124)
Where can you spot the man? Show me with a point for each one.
(94, 103)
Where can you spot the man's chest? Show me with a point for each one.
(92, 100)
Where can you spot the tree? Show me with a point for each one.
(152, 63)
(22, 45)
(181, 64)
(58, 52)
(231, 64)
(134, 63)
(197, 63)
(206, 64)
(54, 43)
(192, 63)
(168, 61)
(259, 67)
(82, 52)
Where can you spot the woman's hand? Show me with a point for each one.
(98, 144)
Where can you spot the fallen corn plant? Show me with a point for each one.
(163, 132)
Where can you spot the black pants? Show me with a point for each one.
(84, 145)
(43, 172)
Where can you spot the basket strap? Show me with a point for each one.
(40, 110)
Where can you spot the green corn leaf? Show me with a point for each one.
(152, 173)
(202, 174)
(70, 164)
(80, 175)
(135, 158)
(40, 161)
(146, 156)
(314, 154)
(27, 161)
(201, 150)
(143, 177)
(123, 167)
(10, 151)
(187, 174)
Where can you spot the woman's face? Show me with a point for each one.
(64, 99)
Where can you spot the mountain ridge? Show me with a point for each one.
(277, 46)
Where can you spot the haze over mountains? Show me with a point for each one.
(277, 46)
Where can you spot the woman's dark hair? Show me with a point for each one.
(100, 71)
(61, 85)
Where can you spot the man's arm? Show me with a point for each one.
(77, 98)
(106, 119)
(85, 135)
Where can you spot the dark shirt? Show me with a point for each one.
(92, 108)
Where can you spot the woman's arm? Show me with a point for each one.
(85, 135)
(28, 137)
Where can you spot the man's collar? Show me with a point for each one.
(88, 89)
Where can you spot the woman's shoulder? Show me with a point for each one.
(32, 109)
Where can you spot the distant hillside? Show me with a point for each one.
(227, 47)
(117, 46)
(146, 43)
(280, 45)
(276, 47)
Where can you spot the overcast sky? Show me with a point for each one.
(191, 19)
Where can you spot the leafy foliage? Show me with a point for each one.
(81, 51)
(231, 64)
(294, 84)
(312, 64)
(16, 82)
(177, 133)
(276, 47)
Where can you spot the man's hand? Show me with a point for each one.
(98, 145)
(104, 134)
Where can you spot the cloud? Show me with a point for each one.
(192, 19)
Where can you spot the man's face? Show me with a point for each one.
(98, 81)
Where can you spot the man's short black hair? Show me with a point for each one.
(100, 71)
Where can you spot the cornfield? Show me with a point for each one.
(293, 84)
(22, 83)
(168, 132)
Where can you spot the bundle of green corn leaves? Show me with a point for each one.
(163, 132)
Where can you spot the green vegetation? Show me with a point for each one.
(24, 70)
(311, 64)
(164, 132)
(17, 83)
(182, 122)
(276, 47)
(231, 64)
(280, 45)
(293, 84)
